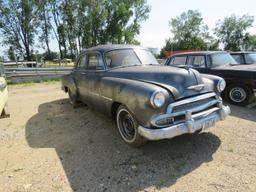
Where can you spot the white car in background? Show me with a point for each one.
(3, 94)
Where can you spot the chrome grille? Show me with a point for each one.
(190, 106)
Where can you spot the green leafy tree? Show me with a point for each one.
(232, 31)
(18, 24)
(11, 53)
(189, 33)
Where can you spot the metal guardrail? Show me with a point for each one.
(12, 72)
(18, 75)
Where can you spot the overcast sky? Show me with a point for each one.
(156, 29)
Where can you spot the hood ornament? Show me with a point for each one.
(196, 87)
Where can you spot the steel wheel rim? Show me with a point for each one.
(237, 94)
(126, 125)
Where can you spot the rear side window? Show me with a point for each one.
(180, 60)
(238, 58)
(197, 61)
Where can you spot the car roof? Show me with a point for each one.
(199, 52)
(242, 52)
(109, 47)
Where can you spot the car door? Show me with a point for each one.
(79, 74)
(91, 77)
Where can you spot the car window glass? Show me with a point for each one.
(94, 62)
(196, 61)
(250, 58)
(125, 57)
(238, 58)
(82, 62)
(181, 60)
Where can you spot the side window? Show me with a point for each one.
(94, 62)
(238, 58)
(196, 61)
(82, 62)
(179, 60)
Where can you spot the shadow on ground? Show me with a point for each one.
(96, 159)
(243, 112)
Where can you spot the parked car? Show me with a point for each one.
(240, 79)
(149, 101)
(244, 57)
(3, 94)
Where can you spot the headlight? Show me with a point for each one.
(157, 99)
(221, 85)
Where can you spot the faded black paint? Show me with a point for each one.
(133, 86)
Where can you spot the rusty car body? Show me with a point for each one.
(147, 100)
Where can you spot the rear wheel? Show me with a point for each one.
(73, 100)
(128, 128)
(238, 94)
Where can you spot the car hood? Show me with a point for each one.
(176, 80)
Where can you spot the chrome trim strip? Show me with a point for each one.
(107, 98)
(189, 100)
(189, 126)
(196, 87)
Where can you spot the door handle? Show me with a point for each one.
(84, 73)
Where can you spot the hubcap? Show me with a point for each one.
(237, 94)
(126, 125)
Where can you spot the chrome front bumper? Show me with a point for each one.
(193, 123)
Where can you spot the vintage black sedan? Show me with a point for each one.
(240, 79)
(147, 100)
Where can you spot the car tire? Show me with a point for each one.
(128, 127)
(73, 100)
(5, 112)
(238, 95)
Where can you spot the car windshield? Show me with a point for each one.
(221, 59)
(250, 58)
(129, 57)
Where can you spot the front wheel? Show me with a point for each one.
(238, 94)
(128, 128)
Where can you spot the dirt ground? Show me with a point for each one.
(47, 145)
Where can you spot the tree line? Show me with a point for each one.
(74, 25)
(191, 33)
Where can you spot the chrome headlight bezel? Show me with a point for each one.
(158, 99)
(221, 85)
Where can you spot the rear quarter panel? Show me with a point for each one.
(3, 93)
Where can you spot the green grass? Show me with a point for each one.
(27, 84)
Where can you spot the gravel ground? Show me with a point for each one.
(47, 145)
